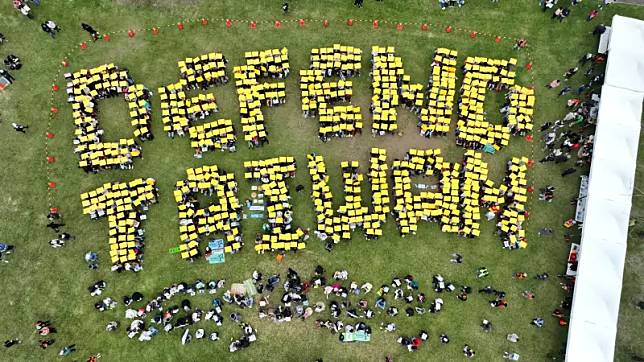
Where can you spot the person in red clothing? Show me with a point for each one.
(416, 342)
(593, 14)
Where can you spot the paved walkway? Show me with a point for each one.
(633, 2)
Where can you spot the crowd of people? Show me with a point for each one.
(253, 94)
(391, 88)
(334, 226)
(573, 134)
(195, 222)
(85, 88)
(126, 236)
(473, 129)
(318, 96)
(335, 301)
(437, 117)
(562, 12)
(465, 185)
(272, 174)
(124, 205)
(180, 113)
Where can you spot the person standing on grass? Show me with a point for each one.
(285, 8)
(19, 127)
(358, 3)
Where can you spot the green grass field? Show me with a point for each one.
(44, 283)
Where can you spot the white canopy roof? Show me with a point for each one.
(625, 66)
(598, 287)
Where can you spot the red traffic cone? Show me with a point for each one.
(325, 23)
(253, 25)
(229, 23)
(83, 45)
(400, 26)
(204, 21)
(374, 24)
(106, 37)
(424, 27)
(528, 66)
(278, 24)
(449, 29)
(55, 87)
(131, 33)
(155, 31)
(529, 138)
(54, 110)
(51, 159)
(301, 22)
(51, 185)
(473, 34)
(350, 22)
(180, 26)
(50, 135)
(497, 39)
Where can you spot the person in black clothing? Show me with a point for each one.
(285, 7)
(88, 28)
(12, 62)
(19, 127)
(137, 297)
(568, 172)
(11, 342)
(55, 226)
(599, 29)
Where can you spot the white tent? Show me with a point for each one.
(625, 66)
(595, 307)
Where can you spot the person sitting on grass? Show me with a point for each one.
(468, 352)
(11, 342)
(67, 350)
(5, 249)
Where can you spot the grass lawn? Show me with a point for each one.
(45, 283)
